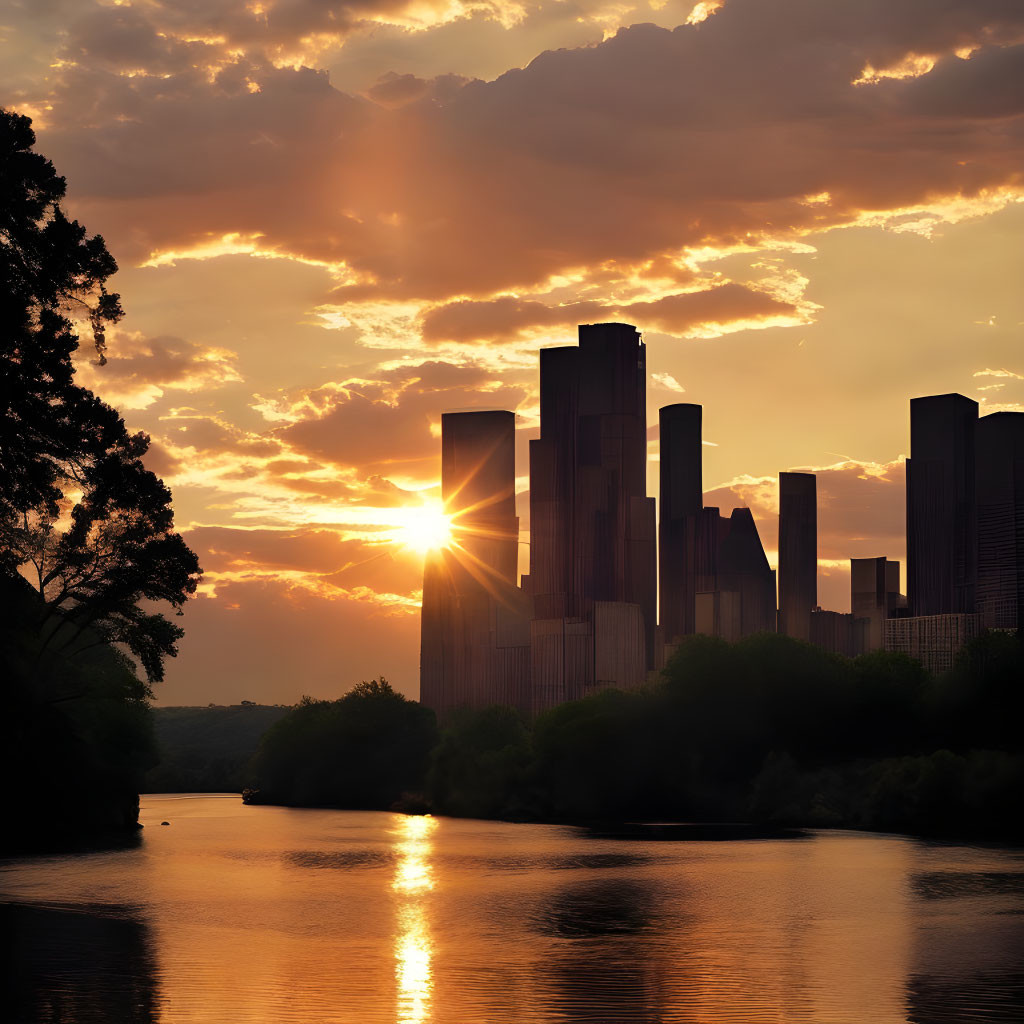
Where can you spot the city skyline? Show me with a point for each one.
(601, 608)
(765, 195)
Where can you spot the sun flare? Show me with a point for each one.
(426, 529)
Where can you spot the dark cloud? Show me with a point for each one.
(212, 436)
(160, 461)
(988, 86)
(507, 317)
(388, 422)
(501, 318)
(722, 304)
(164, 34)
(394, 90)
(713, 134)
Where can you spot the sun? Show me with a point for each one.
(426, 528)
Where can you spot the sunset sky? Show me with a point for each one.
(337, 220)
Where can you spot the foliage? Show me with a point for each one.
(81, 517)
(593, 756)
(78, 763)
(79, 513)
(980, 701)
(49, 271)
(364, 750)
(208, 750)
(767, 730)
(771, 730)
(480, 766)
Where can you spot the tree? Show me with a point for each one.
(49, 272)
(479, 769)
(79, 513)
(362, 751)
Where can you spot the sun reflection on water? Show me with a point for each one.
(413, 946)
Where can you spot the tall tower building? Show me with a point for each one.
(870, 599)
(798, 553)
(941, 521)
(681, 500)
(1000, 510)
(474, 627)
(592, 530)
(735, 585)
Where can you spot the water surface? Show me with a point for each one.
(240, 914)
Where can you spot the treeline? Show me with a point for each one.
(207, 750)
(766, 730)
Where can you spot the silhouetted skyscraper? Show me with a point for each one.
(735, 585)
(681, 501)
(941, 521)
(798, 553)
(592, 551)
(744, 569)
(870, 579)
(1000, 510)
(478, 480)
(474, 631)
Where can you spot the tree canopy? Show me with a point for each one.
(80, 515)
(88, 550)
(364, 750)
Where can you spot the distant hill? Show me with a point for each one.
(208, 750)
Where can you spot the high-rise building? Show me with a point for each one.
(870, 579)
(592, 526)
(798, 553)
(743, 569)
(475, 621)
(941, 521)
(1000, 510)
(681, 500)
(736, 586)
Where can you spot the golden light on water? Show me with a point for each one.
(413, 872)
(412, 967)
(413, 945)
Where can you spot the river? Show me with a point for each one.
(232, 914)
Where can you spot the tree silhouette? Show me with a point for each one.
(363, 750)
(49, 272)
(79, 513)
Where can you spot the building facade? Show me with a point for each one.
(1000, 514)
(680, 503)
(941, 520)
(585, 615)
(593, 570)
(474, 640)
(874, 596)
(798, 553)
(839, 632)
(934, 640)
